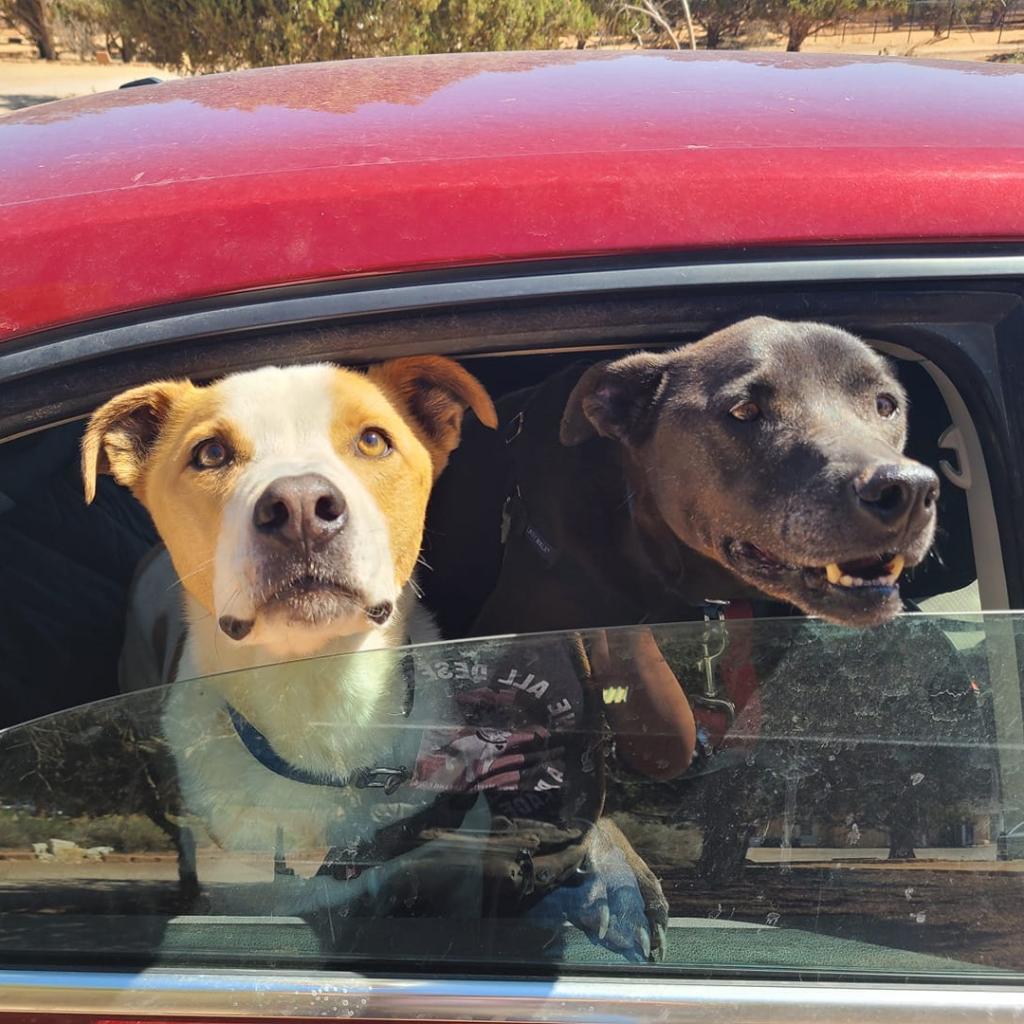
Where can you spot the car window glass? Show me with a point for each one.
(854, 812)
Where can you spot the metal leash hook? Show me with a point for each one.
(714, 641)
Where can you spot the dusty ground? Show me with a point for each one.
(919, 43)
(25, 80)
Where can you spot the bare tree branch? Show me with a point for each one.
(654, 12)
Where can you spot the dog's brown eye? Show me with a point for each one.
(886, 406)
(373, 444)
(745, 411)
(211, 454)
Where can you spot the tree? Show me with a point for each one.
(721, 19)
(800, 18)
(217, 35)
(79, 22)
(657, 18)
(101, 759)
(35, 17)
(464, 25)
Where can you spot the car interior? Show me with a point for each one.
(55, 657)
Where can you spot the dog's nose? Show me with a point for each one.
(897, 493)
(307, 510)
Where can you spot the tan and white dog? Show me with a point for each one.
(292, 504)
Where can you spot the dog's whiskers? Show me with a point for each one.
(216, 632)
(178, 581)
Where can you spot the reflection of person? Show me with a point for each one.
(655, 733)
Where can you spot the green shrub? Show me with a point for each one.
(131, 833)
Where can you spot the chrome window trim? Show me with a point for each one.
(21, 357)
(254, 995)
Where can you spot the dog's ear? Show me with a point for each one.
(121, 434)
(435, 392)
(615, 400)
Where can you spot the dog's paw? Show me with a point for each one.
(637, 908)
(614, 899)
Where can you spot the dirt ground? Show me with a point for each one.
(960, 45)
(25, 80)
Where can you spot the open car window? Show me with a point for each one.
(851, 810)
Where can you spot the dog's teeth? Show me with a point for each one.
(847, 581)
(895, 567)
(833, 573)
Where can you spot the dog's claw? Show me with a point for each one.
(660, 943)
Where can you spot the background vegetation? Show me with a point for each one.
(218, 35)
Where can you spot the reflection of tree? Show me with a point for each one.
(104, 759)
(878, 727)
(887, 723)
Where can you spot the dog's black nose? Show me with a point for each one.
(307, 510)
(897, 493)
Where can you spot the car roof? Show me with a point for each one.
(217, 184)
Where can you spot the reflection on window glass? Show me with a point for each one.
(854, 804)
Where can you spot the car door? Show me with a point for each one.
(838, 855)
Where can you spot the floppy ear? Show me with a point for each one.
(435, 392)
(615, 400)
(121, 434)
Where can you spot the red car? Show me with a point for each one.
(518, 212)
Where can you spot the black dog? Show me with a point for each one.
(761, 466)
(762, 462)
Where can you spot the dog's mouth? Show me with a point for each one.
(865, 588)
(875, 571)
(316, 598)
(311, 599)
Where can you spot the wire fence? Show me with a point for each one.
(942, 17)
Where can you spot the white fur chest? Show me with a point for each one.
(329, 716)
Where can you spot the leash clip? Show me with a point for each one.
(714, 641)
